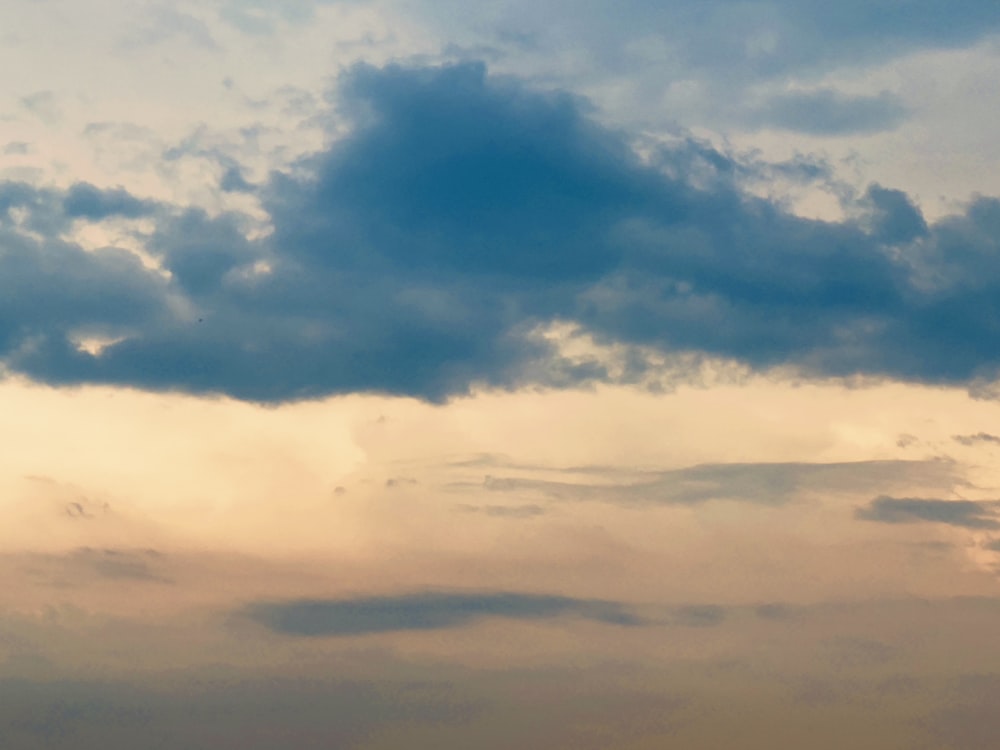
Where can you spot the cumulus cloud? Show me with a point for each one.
(421, 253)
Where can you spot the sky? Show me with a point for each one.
(386, 374)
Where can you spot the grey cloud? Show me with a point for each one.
(163, 23)
(763, 483)
(50, 212)
(419, 253)
(210, 711)
(233, 181)
(87, 201)
(85, 567)
(742, 38)
(893, 217)
(120, 564)
(980, 437)
(424, 611)
(44, 105)
(968, 514)
(827, 112)
(262, 17)
(16, 148)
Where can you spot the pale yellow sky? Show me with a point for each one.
(529, 486)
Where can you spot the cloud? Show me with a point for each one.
(827, 112)
(762, 483)
(119, 564)
(965, 716)
(260, 17)
(83, 200)
(85, 567)
(208, 710)
(425, 611)
(163, 23)
(51, 291)
(701, 615)
(981, 437)
(421, 254)
(505, 511)
(724, 45)
(44, 105)
(968, 514)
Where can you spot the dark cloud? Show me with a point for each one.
(233, 181)
(419, 255)
(968, 514)
(827, 112)
(894, 218)
(49, 212)
(86, 201)
(424, 611)
(763, 483)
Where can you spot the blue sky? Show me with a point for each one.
(408, 367)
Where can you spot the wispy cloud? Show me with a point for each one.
(978, 438)
(426, 611)
(762, 483)
(970, 514)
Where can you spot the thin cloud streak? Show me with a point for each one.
(969, 514)
(428, 611)
(756, 483)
